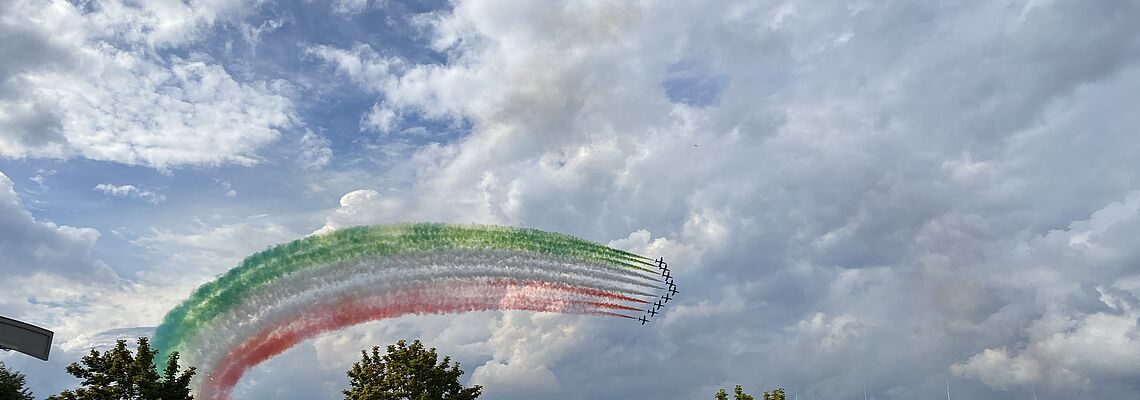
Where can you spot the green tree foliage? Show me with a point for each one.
(119, 375)
(407, 373)
(777, 394)
(12, 385)
(738, 394)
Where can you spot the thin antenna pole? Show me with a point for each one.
(947, 388)
(1034, 392)
(864, 391)
(796, 391)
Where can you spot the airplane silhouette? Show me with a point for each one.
(667, 276)
(643, 320)
(671, 284)
(652, 312)
(673, 290)
(666, 297)
(658, 304)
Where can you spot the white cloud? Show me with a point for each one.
(369, 70)
(130, 191)
(31, 247)
(382, 118)
(1083, 334)
(875, 180)
(53, 280)
(521, 360)
(81, 305)
(252, 34)
(353, 7)
(39, 180)
(227, 186)
(914, 186)
(98, 88)
(362, 64)
(362, 207)
(315, 151)
(210, 249)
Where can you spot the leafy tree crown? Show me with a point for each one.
(12, 385)
(738, 394)
(407, 373)
(117, 374)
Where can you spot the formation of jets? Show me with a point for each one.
(670, 291)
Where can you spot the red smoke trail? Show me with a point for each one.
(425, 298)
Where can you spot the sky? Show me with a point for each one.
(896, 195)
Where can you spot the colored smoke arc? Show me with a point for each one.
(282, 296)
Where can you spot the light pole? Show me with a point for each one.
(25, 338)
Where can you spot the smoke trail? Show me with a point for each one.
(351, 243)
(383, 275)
(281, 296)
(438, 298)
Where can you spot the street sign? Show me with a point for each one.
(25, 338)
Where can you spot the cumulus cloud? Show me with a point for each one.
(97, 83)
(521, 362)
(1087, 302)
(362, 207)
(855, 184)
(922, 189)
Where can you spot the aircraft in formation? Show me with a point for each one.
(670, 291)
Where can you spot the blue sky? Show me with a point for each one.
(891, 194)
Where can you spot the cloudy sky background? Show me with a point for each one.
(890, 193)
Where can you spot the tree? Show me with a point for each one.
(738, 394)
(119, 375)
(407, 373)
(12, 385)
(777, 394)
